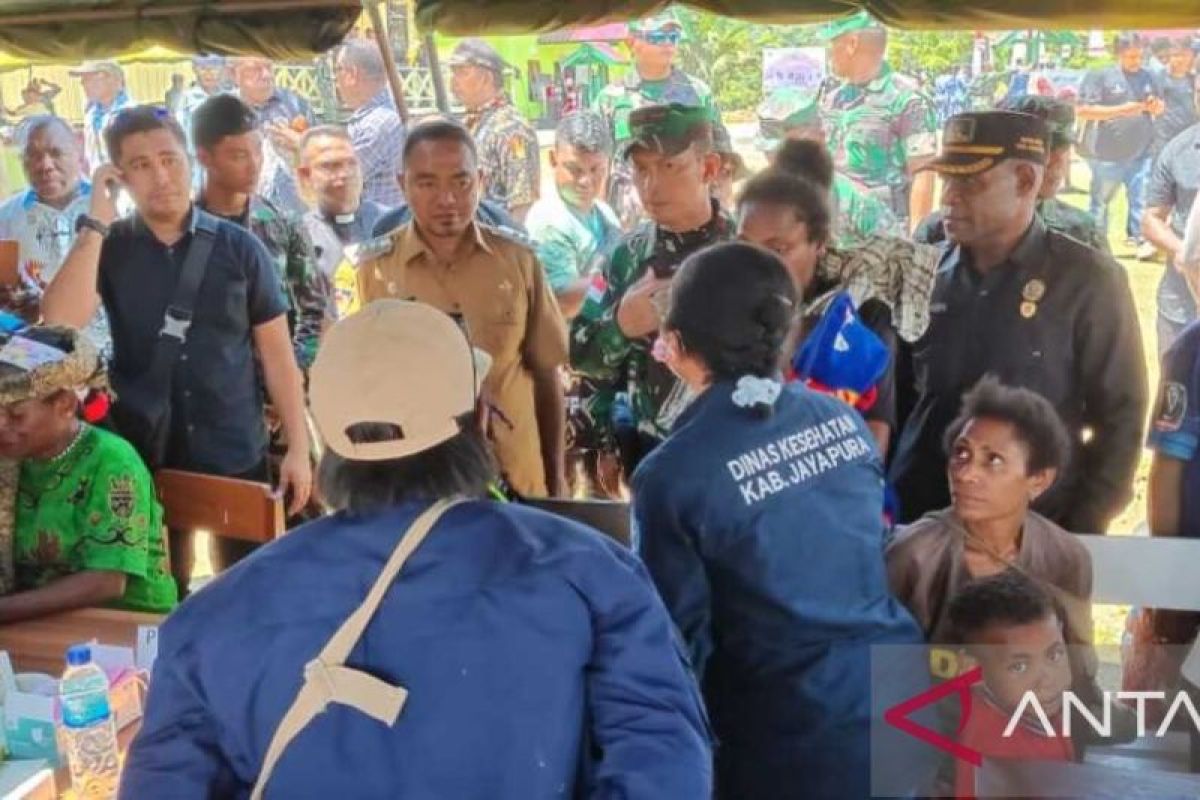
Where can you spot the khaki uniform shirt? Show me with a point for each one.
(498, 288)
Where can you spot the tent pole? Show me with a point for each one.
(389, 59)
(435, 73)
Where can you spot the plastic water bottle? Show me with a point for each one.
(89, 734)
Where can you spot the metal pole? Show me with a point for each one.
(389, 60)
(435, 73)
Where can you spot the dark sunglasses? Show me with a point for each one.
(662, 37)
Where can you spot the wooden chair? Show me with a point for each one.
(38, 645)
(228, 507)
(607, 516)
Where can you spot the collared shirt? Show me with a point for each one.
(567, 241)
(499, 289)
(520, 637)
(278, 180)
(295, 262)
(1057, 216)
(217, 396)
(378, 137)
(1174, 184)
(44, 236)
(1125, 138)
(509, 154)
(1175, 426)
(330, 234)
(876, 130)
(96, 119)
(1056, 317)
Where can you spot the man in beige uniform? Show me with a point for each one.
(495, 286)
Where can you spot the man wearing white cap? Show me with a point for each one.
(500, 652)
(104, 86)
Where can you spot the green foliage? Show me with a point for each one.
(932, 52)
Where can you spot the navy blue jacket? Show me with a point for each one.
(528, 644)
(765, 538)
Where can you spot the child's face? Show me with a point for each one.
(1021, 658)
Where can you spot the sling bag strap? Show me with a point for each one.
(327, 679)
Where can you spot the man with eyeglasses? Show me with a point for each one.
(654, 80)
(41, 219)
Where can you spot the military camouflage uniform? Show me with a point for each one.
(508, 154)
(600, 351)
(291, 250)
(617, 102)
(876, 129)
(859, 215)
(1057, 215)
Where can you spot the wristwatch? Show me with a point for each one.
(83, 221)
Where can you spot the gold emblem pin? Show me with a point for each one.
(1034, 291)
(1028, 309)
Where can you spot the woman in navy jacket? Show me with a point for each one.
(760, 521)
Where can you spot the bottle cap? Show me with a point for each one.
(78, 655)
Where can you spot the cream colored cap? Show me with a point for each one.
(397, 363)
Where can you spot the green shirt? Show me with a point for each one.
(93, 508)
(860, 215)
(567, 241)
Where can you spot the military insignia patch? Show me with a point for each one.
(121, 496)
(1172, 409)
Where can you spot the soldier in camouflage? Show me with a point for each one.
(654, 80)
(881, 128)
(1057, 215)
(612, 338)
(792, 114)
(507, 143)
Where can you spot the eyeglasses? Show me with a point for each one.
(662, 37)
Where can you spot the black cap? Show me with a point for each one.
(979, 140)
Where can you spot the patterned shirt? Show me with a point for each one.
(378, 137)
(44, 236)
(509, 154)
(566, 242)
(875, 129)
(600, 351)
(860, 214)
(96, 119)
(1057, 216)
(291, 251)
(93, 508)
(278, 180)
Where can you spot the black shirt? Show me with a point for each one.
(1077, 343)
(1173, 184)
(330, 234)
(1179, 94)
(217, 395)
(1126, 138)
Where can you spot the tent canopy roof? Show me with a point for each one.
(73, 30)
(524, 16)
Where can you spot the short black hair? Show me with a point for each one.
(461, 466)
(1009, 598)
(733, 305)
(806, 159)
(439, 130)
(585, 130)
(139, 119)
(805, 198)
(219, 116)
(1125, 41)
(1033, 418)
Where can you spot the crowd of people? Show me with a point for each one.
(845, 420)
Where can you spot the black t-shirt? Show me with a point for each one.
(1179, 95)
(217, 396)
(1123, 139)
(1174, 184)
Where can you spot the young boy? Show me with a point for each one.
(1009, 626)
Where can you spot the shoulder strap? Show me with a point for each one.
(327, 679)
(178, 317)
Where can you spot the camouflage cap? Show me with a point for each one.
(40, 360)
(853, 24)
(668, 129)
(722, 144)
(477, 53)
(1059, 116)
(784, 110)
(979, 140)
(657, 22)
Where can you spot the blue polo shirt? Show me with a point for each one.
(217, 395)
(538, 660)
(765, 539)
(1175, 429)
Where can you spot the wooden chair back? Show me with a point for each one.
(227, 507)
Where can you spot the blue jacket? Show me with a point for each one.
(524, 641)
(765, 539)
